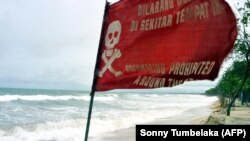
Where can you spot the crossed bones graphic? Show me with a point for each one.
(111, 53)
(108, 62)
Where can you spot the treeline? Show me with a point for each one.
(231, 81)
(235, 82)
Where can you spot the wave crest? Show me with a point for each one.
(6, 98)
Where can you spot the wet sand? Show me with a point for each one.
(192, 116)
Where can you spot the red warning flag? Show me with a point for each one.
(162, 43)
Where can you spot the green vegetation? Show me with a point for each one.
(231, 81)
(236, 78)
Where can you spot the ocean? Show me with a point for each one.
(56, 115)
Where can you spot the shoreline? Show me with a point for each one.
(194, 116)
(215, 107)
(213, 114)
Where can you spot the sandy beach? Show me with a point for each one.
(212, 115)
(240, 114)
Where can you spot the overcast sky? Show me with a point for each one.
(53, 43)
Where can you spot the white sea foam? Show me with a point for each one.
(5, 98)
(59, 131)
(122, 111)
(73, 130)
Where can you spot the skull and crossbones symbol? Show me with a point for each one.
(110, 54)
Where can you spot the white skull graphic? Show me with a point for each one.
(113, 34)
(110, 54)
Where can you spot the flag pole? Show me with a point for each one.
(92, 93)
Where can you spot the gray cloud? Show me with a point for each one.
(49, 43)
